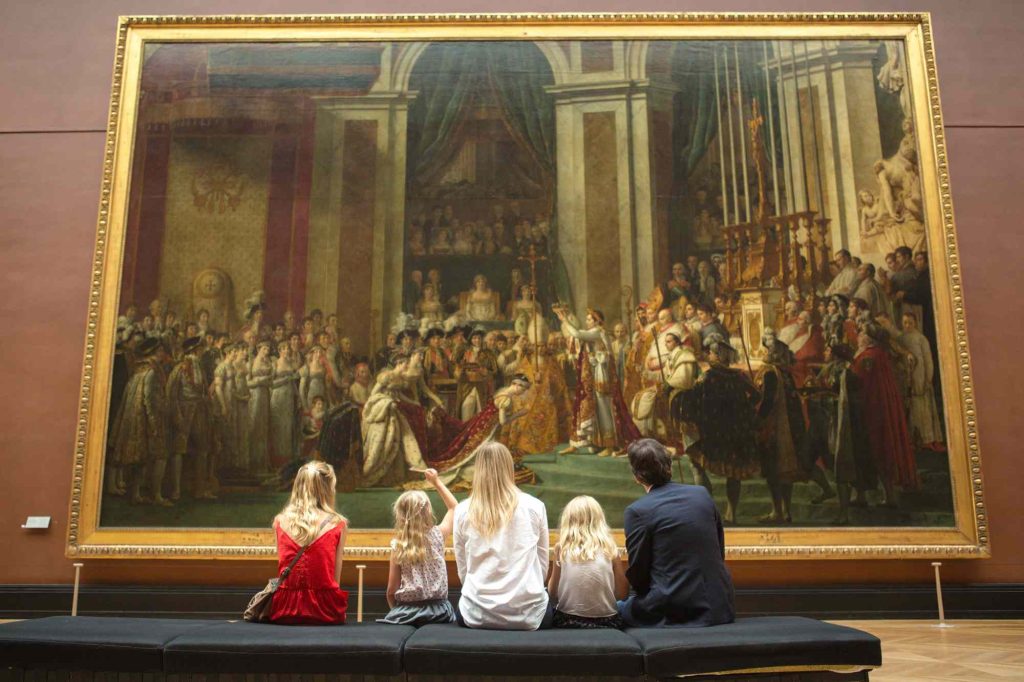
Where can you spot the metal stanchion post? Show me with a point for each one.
(938, 596)
(359, 594)
(74, 595)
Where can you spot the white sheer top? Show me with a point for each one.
(503, 575)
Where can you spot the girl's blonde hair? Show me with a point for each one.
(583, 531)
(495, 497)
(414, 517)
(313, 498)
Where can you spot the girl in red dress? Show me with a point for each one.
(311, 595)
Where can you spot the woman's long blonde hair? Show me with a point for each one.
(313, 498)
(495, 497)
(583, 531)
(414, 517)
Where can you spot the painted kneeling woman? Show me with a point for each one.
(455, 464)
(390, 448)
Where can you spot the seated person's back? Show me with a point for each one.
(500, 540)
(676, 549)
(310, 593)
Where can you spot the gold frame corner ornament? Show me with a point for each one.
(969, 538)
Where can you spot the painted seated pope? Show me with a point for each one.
(481, 303)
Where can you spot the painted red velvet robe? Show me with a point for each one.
(884, 418)
(432, 438)
(812, 350)
(626, 430)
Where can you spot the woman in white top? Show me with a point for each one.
(501, 549)
(588, 576)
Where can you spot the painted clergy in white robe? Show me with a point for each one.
(925, 427)
(871, 292)
(676, 370)
(846, 280)
(664, 327)
(390, 449)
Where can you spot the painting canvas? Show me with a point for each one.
(382, 252)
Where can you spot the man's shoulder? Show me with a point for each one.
(678, 491)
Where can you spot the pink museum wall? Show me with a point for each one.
(54, 89)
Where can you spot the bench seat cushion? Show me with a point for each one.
(454, 650)
(240, 647)
(755, 643)
(128, 645)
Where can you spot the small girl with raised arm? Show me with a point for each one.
(587, 577)
(417, 577)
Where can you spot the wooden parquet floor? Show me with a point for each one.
(970, 651)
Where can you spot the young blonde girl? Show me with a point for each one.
(310, 594)
(587, 577)
(417, 577)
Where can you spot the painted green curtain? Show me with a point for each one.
(696, 113)
(450, 78)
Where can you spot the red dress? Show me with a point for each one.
(309, 596)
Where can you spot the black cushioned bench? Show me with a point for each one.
(64, 649)
(449, 651)
(240, 647)
(118, 645)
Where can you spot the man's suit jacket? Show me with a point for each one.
(677, 559)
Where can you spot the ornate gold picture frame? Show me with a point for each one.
(258, 167)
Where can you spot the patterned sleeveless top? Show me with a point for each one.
(427, 580)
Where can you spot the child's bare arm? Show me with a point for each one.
(446, 495)
(446, 523)
(556, 573)
(621, 582)
(394, 581)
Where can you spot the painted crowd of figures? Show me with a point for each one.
(838, 387)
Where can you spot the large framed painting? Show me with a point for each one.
(379, 241)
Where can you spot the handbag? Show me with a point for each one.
(258, 610)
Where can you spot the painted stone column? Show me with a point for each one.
(612, 207)
(829, 88)
(358, 213)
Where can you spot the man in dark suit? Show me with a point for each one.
(676, 549)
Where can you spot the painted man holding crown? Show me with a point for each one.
(601, 420)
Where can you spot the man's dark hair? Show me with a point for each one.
(905, 252)
(650, 462)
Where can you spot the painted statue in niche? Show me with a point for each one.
(379, 254)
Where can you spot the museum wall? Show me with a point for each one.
(55, 69)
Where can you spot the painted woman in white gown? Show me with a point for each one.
(481, 303)
(261, 373)
(429, 309)
(390, 448)
(524, 310)
(284, 403)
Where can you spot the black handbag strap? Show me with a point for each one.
(302, 550)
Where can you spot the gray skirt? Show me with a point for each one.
(420, 613)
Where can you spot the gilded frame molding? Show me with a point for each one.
(969, 538)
